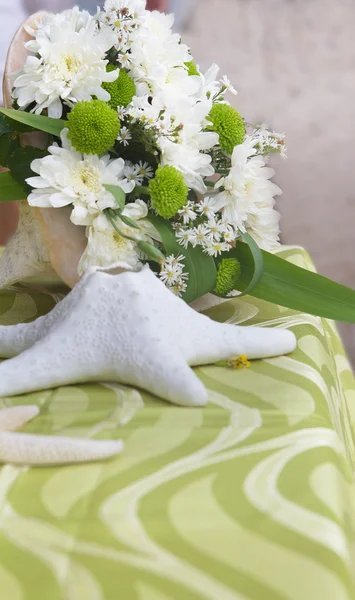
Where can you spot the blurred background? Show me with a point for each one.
(293, 63)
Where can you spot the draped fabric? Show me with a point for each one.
(251, 498)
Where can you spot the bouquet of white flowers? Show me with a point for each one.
(153, 160)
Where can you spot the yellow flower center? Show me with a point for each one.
(120, 241)
(87, 180)
(68, 66)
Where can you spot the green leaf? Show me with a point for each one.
(20, 163)
(8, 145)
(288, 285)
(118, 194)
(251, 263)
(4, 126)
(37, 122)
(200, 267)
(151, 252)
(11, 190)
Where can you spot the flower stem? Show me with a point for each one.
(142, 189)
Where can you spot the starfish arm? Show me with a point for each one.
(16, 416)
(15, 339)
(164, 372)
(24, 449)
(210, 342)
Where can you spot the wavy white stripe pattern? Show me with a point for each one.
(249, 499)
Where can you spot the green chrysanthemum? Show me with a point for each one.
(122, 90)
(192, 68)
(93, 127)
(168, 191)
(229, 125)
(228, 274)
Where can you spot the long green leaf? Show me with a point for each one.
(10, 190)
(286, 284)
(20, 162)
(4, 126)
(8, 144)
(200, 267)
(38, 122)
(251, 263)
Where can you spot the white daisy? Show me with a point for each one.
(216, 228)
(67, 177)
(206, 207)
(131, 172)
(144, 170)
(184, 237)
(68, 64)
(172, 274)
(228, 86)
(214, 248)
(187, 213)
(199, 235)
(124, 136)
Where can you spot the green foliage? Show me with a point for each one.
(251, 261)
(8, 144)
(11, 190)
(285, 284)
(4, 125)
(151, 252)
(118, 193)
(36, 122)
(20, 163)
(192, 68)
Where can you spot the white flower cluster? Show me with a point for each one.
(172, 274)
(173, 119)
(213, 234)
(67, 63)
(267, 141)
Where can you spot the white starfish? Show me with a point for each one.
(25, 449)
(128, 328)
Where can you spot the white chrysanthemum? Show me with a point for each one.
(247, 193)
(188, 152)
(68, 63)
(106, 246)
(264, 226)
(67, 177)
(157, 56)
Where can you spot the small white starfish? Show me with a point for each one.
(25, 449)
(127, 327)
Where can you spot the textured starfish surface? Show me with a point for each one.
(24, 449)
(128, 328)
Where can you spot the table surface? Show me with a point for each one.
(251, 498)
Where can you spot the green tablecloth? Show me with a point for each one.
(251, 498)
